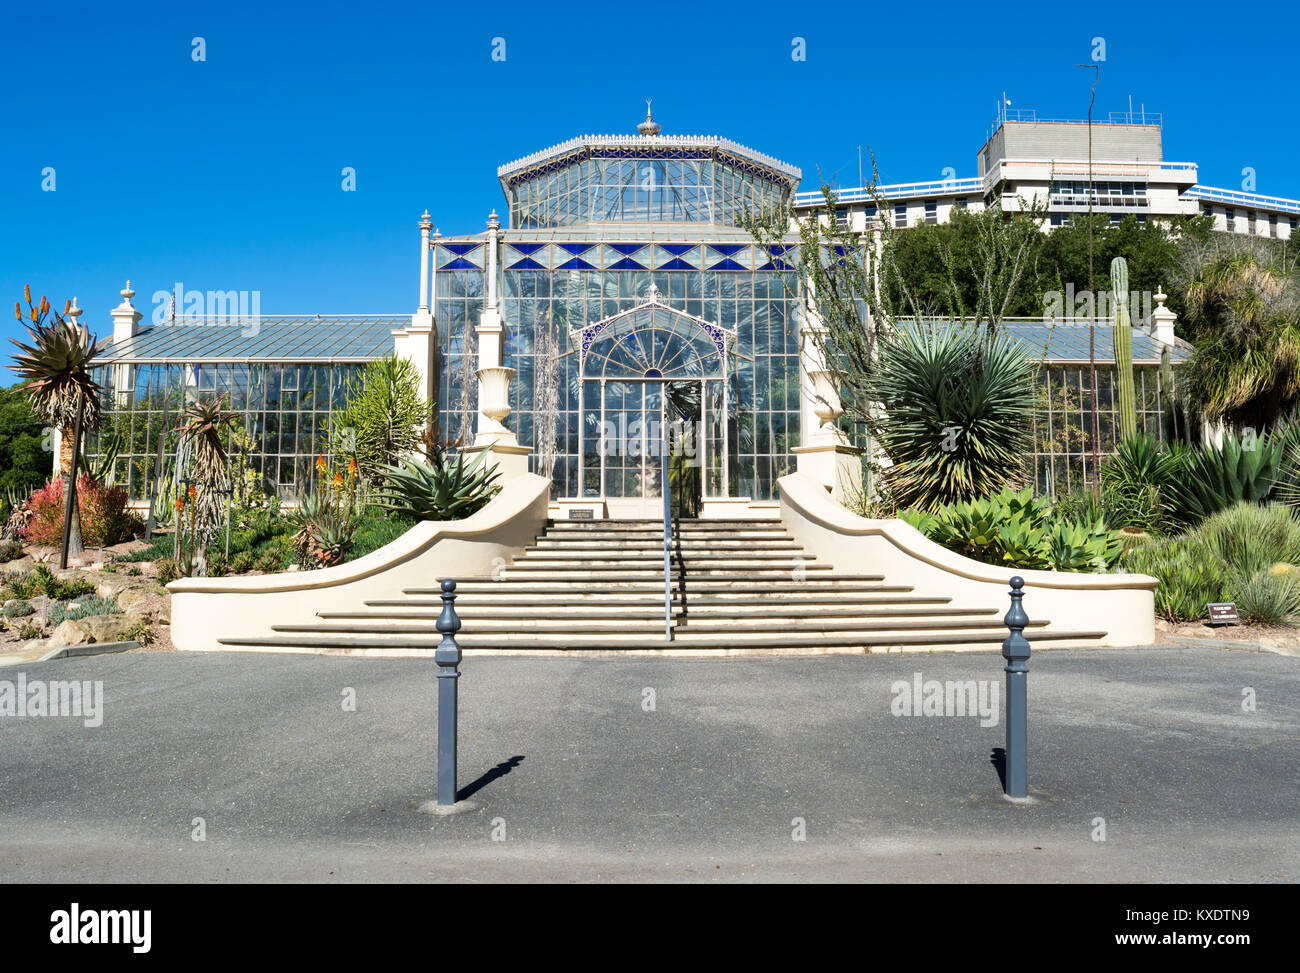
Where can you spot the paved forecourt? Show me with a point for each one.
(636, 769)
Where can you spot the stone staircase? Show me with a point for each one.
(599, 586)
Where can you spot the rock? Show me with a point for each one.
(164, 613)
(110, 587)
(19, 565)
(129, 598)
(95, 628)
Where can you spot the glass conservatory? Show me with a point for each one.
(631, 299)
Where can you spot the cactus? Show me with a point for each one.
(1123, 341)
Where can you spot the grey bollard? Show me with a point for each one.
(448, 658)
(1016, 651)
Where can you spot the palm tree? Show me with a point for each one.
(57, 367)
(1242, 312)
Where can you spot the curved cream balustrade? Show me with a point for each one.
(1122, 605)
(207, 609)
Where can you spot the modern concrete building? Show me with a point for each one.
(1027, 158)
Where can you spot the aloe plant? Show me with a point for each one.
(1123, 341)
(443, 488)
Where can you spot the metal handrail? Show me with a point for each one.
(668, 534)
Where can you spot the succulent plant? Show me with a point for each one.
(443, 488)
(1123, 340)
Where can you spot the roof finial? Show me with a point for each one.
(649, 126)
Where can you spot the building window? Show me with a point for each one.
(900, 215)
(841, 217)
(1272, 225)
(1230, 219)
(1250, 222)
(932, 213)
(1058, 219)
(962, 203)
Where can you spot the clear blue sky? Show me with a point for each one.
(226, 174)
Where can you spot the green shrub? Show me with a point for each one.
(1248, 538)
(1190, 575)
(1019, 529)
(19, 609)
(1270, 596)
(375, 528)
(10, 551)
(242, 562)
(168, 571)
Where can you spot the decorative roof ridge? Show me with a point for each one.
(713, 141)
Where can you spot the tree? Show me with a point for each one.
(383, 418)
(24, 459)
(57, 367)
(1242, 314)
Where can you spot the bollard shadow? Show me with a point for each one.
(500, 770)
(998, 758)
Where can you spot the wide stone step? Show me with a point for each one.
(846, 584)
(652, 545)
(691, 613)
(518, 627)
(603, 554)
(635, 570)
(678, 524)
(650, 536)
(875, 640)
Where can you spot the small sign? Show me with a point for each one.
(1223, 613)
(576, 514)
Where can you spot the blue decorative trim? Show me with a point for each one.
(575, 264)
(460, 263)
(527, 263)
(627, 263)
(727, 264)
(677, 263)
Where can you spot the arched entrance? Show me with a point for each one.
(650, 377)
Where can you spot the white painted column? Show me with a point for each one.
(126, 325)
(418, 340)
(824, 453)
(494, 377)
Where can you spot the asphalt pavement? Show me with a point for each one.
(600, 769)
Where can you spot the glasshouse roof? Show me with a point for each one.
(304, 338)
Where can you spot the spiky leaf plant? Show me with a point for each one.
(442, 488)
(957, 412)
(1216, 477)
(205, 422)
(56, 366)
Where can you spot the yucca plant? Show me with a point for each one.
(442, 487)
(205, 422)
(956, 419)
(56, 366)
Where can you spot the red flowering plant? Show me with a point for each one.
(105, 519)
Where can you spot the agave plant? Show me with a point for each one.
(1216, 477)
(204, 422)
(56, 366)
(957, 402)
(442, 488)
